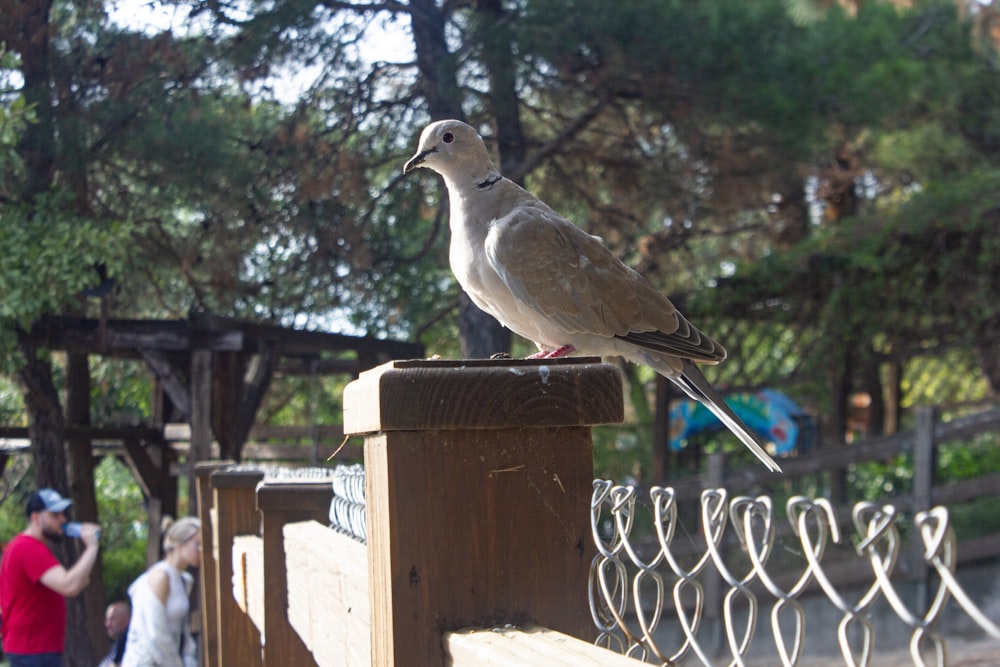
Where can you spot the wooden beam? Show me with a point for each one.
(259, 374)
(300, 342)
(310, 365)
(86, 611)
(333, 432)
(201, 405)
(530, 646)
(227, 393)
(145, 471)
(124, 337)
(174, 381)
(92, 433)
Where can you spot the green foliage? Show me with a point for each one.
(50, 256)
(120, 391)
(11, 412)
(13, 118)
(123, 526)
(303, 400)
(965, 460)
(875, 480)
(709, 119)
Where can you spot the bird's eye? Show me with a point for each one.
(448, 137)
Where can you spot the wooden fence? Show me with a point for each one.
(922, 443)
(479, 483)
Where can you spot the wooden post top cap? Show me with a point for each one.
(483, 393)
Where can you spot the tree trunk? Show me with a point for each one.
(494, 36)
(479, 334)
(47, 428)
(87, 609)
(438, 66)
(46, 425)
(27, 33)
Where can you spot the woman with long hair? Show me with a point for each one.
(160, 632)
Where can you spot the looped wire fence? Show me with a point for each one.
(347, 507)
(636, 580)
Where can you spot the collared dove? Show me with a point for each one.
(547, 280)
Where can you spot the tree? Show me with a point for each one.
(712, 144)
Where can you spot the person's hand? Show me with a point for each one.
(90, 533)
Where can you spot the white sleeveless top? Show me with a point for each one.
(154, 634)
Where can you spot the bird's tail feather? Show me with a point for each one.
(697, 386)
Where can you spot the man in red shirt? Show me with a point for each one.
(34, 585)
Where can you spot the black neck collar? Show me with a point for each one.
(490, 181)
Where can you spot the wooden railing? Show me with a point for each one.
(478, 484)
(921, 442)
(926, 491)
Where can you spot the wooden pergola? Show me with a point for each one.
(211, 373)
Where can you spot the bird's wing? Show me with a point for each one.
(570, 278)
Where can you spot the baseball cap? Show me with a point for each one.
(48, 500)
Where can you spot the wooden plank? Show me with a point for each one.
(967, 489)
(173, 380)
(981, 548)
(531, 646)
(311, 366)
(822, 460)
(248, 579)
(201, 405)
(235, 513)
(328, 596)
(281, 503)
(298, 342)
(92, 433)
(321, 431)
(255, 451)
(124, 337)
(146, 472)
(483, 394)
(475, 514)
(228, 369)
(260, 371)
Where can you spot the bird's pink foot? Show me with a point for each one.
(553, 354)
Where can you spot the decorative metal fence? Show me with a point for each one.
(635, 582)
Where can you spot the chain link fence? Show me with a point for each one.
(637, 580)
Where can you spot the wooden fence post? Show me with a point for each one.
(478, 483)
(281, 503)
(924, 473)
(235, 513)
(209, 568)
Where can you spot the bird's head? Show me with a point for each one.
(453, 149)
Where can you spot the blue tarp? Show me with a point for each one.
(770, 413)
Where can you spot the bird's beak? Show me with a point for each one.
(416, 161)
